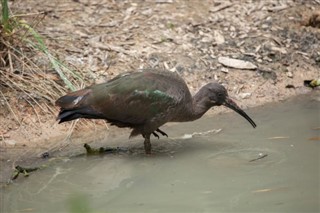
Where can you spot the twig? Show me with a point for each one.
(113, 48)
(45, 12)
(70, 131)
(258, 158)
(221, 7)
(277, 8)
(24, 170)
(10, 61)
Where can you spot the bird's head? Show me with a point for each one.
(217, 95)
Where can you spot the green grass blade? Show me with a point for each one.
(56, 64)
(5, 16)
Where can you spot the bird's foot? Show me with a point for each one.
(155, 135)
(162, 132)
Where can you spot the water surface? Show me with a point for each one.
(206, 172)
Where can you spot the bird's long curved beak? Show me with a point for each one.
(232, 105)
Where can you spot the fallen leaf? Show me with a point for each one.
(278, 137)
(236, 63)
(314, 139)
(188, 136)
(269, 189)
(262, 190)
(164, 1)
(278, 49)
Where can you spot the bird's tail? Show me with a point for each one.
(75, 105)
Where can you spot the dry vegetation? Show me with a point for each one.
(58, 46)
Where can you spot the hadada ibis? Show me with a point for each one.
(143, 101)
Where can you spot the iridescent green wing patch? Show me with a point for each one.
(154, 95)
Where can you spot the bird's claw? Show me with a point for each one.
(162, 132)
(155, 135)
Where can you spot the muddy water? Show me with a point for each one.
(213, 171)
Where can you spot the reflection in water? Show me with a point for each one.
(220, 171)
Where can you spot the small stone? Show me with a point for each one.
(219, 38)
(244, 95)
(225, 70)
(10, 142)
(289, 74)
(266, 58)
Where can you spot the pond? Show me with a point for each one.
(215, 164)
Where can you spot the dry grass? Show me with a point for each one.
(29, 71)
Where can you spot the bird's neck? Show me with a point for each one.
(195, 109)
(200, 105)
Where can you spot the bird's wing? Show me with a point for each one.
(133, 99)
(136, 98)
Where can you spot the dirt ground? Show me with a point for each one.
(279, 40)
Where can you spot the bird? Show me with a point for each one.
(144, 100)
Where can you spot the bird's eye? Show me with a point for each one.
(220, 95)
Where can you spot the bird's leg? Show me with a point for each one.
(161, 132)
(147, 144)
(155, 135)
